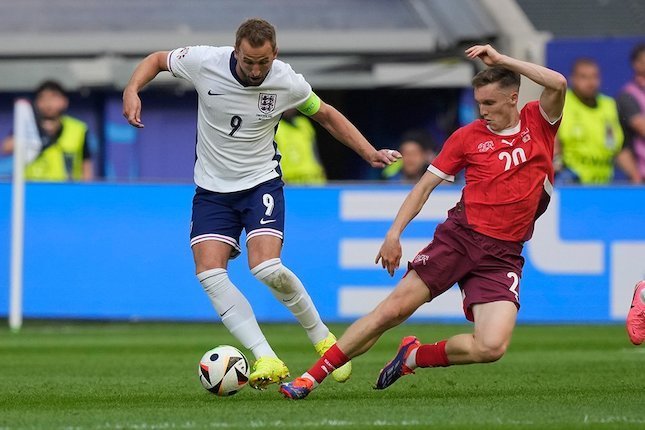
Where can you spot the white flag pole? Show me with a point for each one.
(23, 118)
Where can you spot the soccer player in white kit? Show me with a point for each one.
(242, 92)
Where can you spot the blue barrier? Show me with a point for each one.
(121, 251)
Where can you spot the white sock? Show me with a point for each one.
(235, 311)
(411, 361)
(287, 288)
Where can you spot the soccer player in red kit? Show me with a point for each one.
(507, 156)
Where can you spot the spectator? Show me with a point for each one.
(296, 139)
(418, 150)
(590, 137)
(631, 105)
(65, 149)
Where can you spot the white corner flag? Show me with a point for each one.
(26, 147)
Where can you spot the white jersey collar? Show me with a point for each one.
(507, 131)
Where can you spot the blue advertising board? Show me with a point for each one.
(121, 252)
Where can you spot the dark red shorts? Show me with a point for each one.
(486, 269)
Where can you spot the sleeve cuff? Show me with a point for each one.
(169, 63)
(446, 177)
(546, 117)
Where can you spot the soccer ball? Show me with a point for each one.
(223, 370)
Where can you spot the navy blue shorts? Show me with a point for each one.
(222, 216)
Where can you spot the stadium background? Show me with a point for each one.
(117, 249)
(105, 261)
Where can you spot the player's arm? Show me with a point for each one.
(554, 83)
(390, 252)
(345, 132)
(144, 73)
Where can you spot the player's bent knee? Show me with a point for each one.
(274, 275)
(488, 353)
(491, 355)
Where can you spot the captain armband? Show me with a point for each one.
(310, 106)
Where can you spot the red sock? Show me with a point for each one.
(330, 361)
(432, 355)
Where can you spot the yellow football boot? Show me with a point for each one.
(267, 370)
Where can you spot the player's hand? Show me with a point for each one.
(389, 255)
(486, 53)
(384, 157)
(132, 108)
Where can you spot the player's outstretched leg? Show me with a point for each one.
(494, 322)
(636, 315)
(238, 317)
(288, 289)
(360, 336)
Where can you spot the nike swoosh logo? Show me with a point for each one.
(266, 221)
(226, 311)
(290, 298)
(210, 93)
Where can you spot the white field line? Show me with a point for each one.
(586, 419)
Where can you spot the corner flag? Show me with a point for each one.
(26, 147)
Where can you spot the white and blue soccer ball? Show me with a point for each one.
(224, 370)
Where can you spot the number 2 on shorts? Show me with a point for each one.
(516, 282)
(267, 200)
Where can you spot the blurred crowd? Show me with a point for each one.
(598, 132)
(601, 139)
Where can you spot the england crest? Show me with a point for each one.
(266, 102)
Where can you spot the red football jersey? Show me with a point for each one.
(509, 175)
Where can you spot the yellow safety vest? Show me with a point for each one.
(590, 138)
(63, 159)
(296, 143)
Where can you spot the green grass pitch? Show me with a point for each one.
(61, 375)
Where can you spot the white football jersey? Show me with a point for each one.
(236, 124)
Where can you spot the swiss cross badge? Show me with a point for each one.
(266, 102)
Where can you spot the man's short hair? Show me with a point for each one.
(505, 77)
(50, 85)
(637, 52)
(257, 32)
(583, 61)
